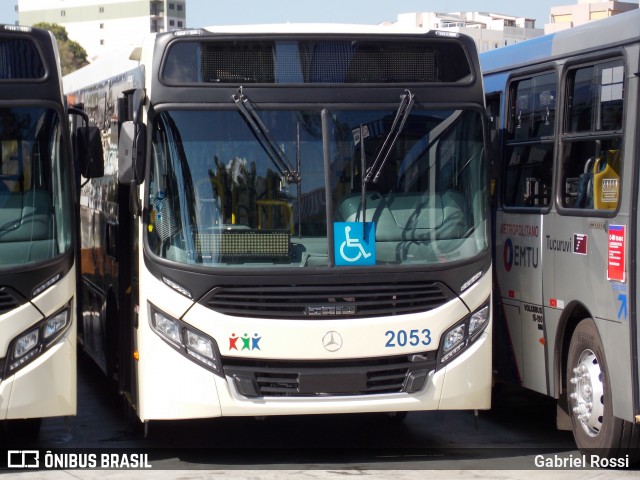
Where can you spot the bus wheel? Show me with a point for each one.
(589, 393)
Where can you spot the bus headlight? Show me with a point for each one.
(460, 336)
(478, 321)
(454, 341)
(201, 348)
(55, 324)
(25, 344)
(30, 344)
(167, 327)
(190, 342)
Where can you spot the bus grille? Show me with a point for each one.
(309, 302)
(8, 301)
(267, 378)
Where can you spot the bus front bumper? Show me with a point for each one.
(463, 384)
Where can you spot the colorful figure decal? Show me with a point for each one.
(247, 343)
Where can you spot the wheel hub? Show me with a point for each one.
(587, 393)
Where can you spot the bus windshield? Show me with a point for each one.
(35, 200)
(223, 194)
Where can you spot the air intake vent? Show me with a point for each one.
(311, 302)
(319, 61)
(8, 300)
(20, 60)
(313, 379)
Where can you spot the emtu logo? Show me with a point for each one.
(507, 254)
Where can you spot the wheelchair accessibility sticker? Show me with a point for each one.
(355, 243)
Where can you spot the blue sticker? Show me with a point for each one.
(623, 312)
(354, 243)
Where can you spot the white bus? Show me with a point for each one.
(566, 139)
(293, 220)
(37, 234)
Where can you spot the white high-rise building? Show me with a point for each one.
(489, 30)
(102, 26)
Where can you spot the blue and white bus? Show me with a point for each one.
(565, 144)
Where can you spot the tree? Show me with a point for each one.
(72, 55)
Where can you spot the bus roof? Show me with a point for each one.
(118, 61)
(30, 66)
(316, 28)
(609, 32)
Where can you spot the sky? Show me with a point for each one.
(202, 13)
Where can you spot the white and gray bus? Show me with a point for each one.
(293, 220)
(566, 143)
(37, 234)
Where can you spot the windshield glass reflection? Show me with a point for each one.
(218, 197)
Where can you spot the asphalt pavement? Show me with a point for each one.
(328, 475)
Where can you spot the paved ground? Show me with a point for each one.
(331, 475)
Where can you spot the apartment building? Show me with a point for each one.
(569, 16)
(489, 30)
(103, 26)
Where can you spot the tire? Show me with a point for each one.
(590, 400)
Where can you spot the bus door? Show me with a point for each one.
(92, 253)
(526, 178)
(519, 269)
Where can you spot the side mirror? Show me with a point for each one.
(138, 100)
(90, 153)
(131, 153)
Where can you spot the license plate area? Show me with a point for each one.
(332, 383)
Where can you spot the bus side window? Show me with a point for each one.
(592, 174)
(529, 175)
(527, 180)
(591, 167)
(493, 113)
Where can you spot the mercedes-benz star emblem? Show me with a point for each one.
(332, 341)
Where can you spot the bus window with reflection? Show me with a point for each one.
(530, 146)
(591, 166)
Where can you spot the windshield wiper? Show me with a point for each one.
(407, 100)
(372, 174)
(265, 138)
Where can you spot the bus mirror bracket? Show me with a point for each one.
(131, 153)
(131, 143)
(138, 101)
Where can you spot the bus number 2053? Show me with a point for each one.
(403, 338)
